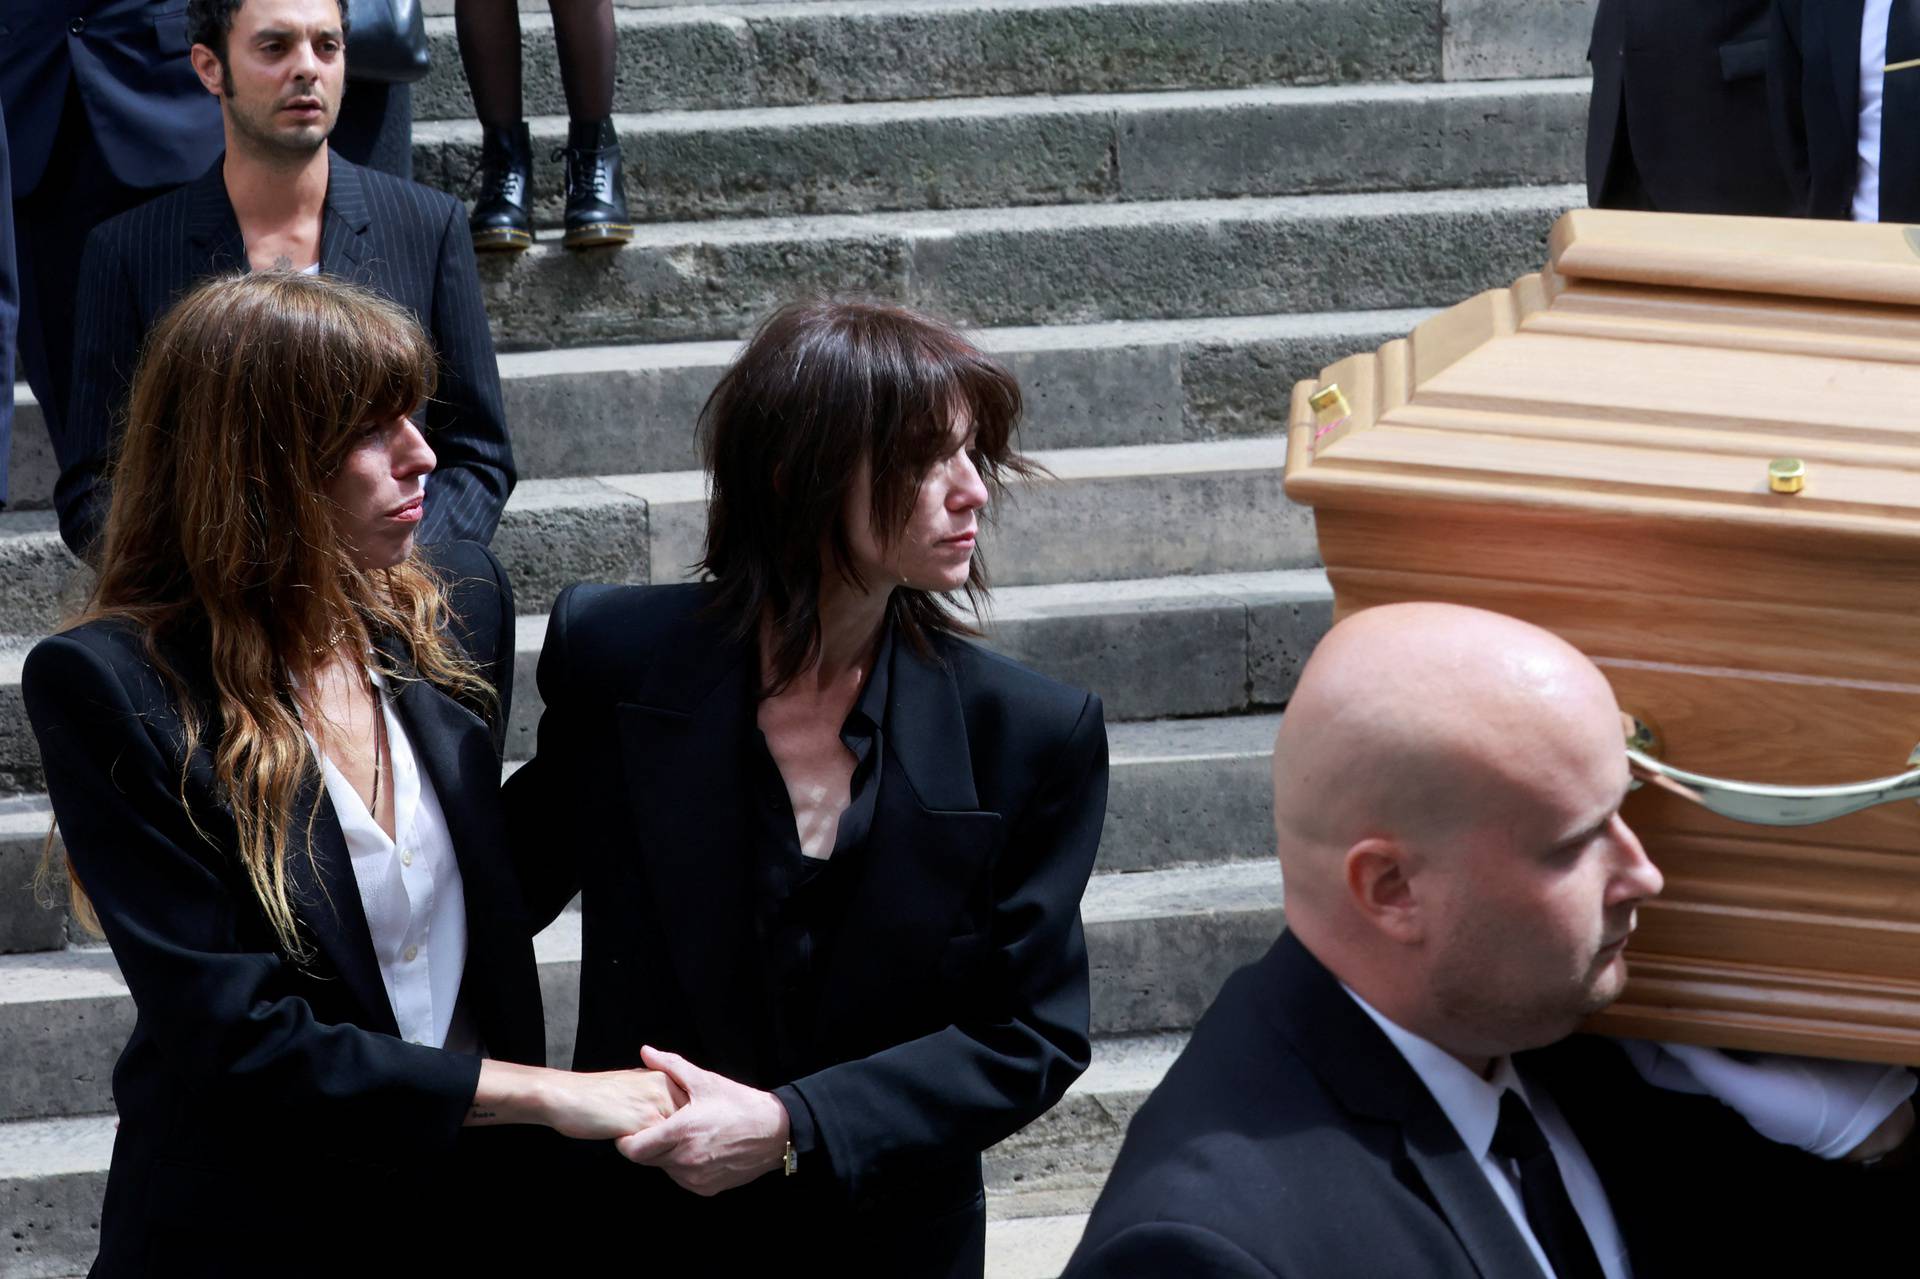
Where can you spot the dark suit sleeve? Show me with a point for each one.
(545, 820)
(969, 1085)
(1159, 1249)
(466, 422)
(212, 1002)
(106, 343)
(1784, 107)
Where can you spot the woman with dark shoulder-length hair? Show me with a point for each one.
(272, 747)
(831, 852)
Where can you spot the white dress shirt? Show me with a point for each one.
(411, 892)
(1873, 80)
(1472, 1105)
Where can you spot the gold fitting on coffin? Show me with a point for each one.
(1328, 401)
(1786, 475)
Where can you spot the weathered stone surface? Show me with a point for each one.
(986, 152)
(1071, 264)
(51, 1180)
(69, 1014)
(1161, 944)
(1374, 137)
(1232, 257)
(42, 581)
(1188, 791)
(1492, 39)
(875, 50)
(26, 924)
(555, 532)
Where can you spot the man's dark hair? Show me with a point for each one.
(210, 22)
(820, 385)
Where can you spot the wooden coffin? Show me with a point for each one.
(1589, 450)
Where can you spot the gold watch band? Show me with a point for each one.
(790, 1162)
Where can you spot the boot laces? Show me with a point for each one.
(585, 172)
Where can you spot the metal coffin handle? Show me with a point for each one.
(1757, 802)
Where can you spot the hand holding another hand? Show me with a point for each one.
(725, 1135)
(611, 1103)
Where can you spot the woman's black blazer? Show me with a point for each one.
(271, 1120)
(954, 1008)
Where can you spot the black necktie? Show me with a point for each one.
(1549, 1211)
(1900, 117)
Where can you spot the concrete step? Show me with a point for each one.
(1206, 507)
(1478, 39)
(1056, 1165)
(26, 924)
(983, 152)
(1160, 943)
(54, 1172)
(618, 410)
(1181, 792)
(768, 55)
(1031, 1247)
(1153, 648)
(1070, 264)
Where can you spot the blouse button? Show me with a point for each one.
(410, 954)
(406, 857)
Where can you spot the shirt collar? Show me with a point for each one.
(872, 706)
(1470, 1103)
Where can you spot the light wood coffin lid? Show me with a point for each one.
(1588, 449)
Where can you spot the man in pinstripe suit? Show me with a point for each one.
(280, 198)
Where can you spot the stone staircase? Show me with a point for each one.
(1158, 212)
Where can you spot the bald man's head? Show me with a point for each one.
(1446, 791)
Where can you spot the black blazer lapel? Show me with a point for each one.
(344, 225)
(927, 849)
(682, 741)
(327, 899)
(212, 226)
(1362, 1069)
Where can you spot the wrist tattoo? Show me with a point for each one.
(477, 1113)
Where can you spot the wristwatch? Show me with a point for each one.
(790, 1162)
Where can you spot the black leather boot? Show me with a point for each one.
(596, 205)
(502, 220)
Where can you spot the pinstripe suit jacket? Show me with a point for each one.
(396, 237)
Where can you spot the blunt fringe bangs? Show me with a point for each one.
(821, 385)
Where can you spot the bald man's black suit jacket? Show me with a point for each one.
(1292, 1139)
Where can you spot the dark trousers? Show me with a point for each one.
(76, 194)
(375, 128)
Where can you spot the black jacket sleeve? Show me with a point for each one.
(466, 420)
(217, 1009)
(971, 1084)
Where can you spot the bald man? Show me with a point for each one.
(1393, 1090)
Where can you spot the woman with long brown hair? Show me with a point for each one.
(272, 742)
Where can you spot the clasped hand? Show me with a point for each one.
(612, 1103)
(725, 1135)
